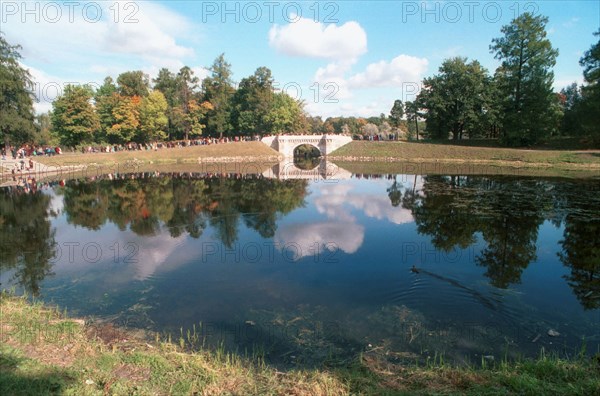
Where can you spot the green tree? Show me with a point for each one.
(166, 82)
(74, 119)
(218, 90)
(315, 125)
(252, 102)
(187, 116)
(591, 91)
(397, 113)
(16, 96)
(412, 116)
(43, 130)
(571, 101)
(133, 83)
(153, 117)
(106, 99)
(285, 115)
(525, 80)
(454, 100)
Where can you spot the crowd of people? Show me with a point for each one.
(29, 150)
(162, 145)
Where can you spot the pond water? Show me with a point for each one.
(313, 271)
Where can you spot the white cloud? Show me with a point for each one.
(571, 22)
(72, 46)
(201, 72)
(151, 36)
(565, 81)
(334, 199)
(46, 88)
(309, 38)
(399, 78)
(400, 70)
(303, 240)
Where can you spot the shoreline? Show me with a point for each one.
(356, 157)
(44, 351)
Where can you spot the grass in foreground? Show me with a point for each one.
(44, 352)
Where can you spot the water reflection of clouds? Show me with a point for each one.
(56, 202)
(342, 231)
(309, 239)
(154, 252)
(130, 257)
(333, 198)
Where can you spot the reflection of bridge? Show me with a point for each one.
(286, 144)
(324, 171)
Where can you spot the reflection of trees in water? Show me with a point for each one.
(184, 205)
(306, 157)
(27, 242)
(507, 213)
(394, 193)
(581, 246)
(442, 211)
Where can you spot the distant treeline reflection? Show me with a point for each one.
(183, 203)
(507, 213)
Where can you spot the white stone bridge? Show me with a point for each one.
(286, 144)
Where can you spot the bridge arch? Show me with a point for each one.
(286, 144)
(307, 144)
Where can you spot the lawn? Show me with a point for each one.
(411, 151)
(225, 152)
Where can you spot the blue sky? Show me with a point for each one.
(341, 58)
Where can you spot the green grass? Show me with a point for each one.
(43, 352)
(357, 157)
(427, 158)
(227, 152)
(440, 152)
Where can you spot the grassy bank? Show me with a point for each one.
(44, 352)
(356, 151)
(414, 152)
(228, 152)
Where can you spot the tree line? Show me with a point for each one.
(516, 105)
(174, 106)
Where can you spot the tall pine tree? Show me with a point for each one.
(525, 80)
